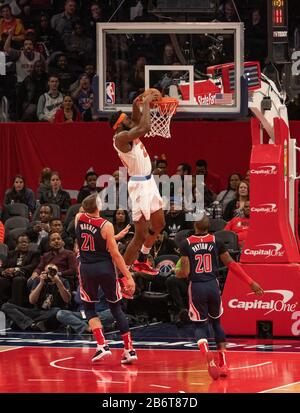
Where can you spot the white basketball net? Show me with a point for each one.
(161, 115)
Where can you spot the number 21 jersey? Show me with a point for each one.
(91, 244)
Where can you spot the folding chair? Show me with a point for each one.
(15, 222)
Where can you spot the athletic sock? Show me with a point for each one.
(98, 334)
(144, 254)
(222, 358)
(127, 341)
(203, 345)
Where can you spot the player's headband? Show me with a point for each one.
(120, 120)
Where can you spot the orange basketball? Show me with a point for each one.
(153, 91)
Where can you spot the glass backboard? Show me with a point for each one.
(199, 63)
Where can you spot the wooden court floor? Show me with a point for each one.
(49, 365)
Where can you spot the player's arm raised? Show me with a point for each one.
(108, 234)
(237, 270)
(143, 126)
(136, 111)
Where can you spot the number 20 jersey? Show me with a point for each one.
(203, 252)
(91, 245)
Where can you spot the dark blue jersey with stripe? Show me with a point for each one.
(203, 252)
(91, 245)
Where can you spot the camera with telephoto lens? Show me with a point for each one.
(51, 271)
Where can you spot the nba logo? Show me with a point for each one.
(110, 92)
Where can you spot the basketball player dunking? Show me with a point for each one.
(147, 213)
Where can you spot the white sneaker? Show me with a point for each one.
(128, 356)
(102, 351)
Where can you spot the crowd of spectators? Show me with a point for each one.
(37, 229)
(50, 49)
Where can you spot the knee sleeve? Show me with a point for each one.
(89, 309)
(218, 330)
(119, 316)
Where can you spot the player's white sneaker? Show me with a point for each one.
(128, 356)
(102, 351)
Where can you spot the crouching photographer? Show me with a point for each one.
(49, 294)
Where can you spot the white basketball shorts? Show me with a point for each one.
(145, 198)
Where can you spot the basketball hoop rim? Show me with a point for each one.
(161, 112)
(164, 102)
(167, 103)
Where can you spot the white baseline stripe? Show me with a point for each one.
(280, 387)
(10, 349)
(157, 385)
(250, 366)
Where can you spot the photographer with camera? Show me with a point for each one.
(49, 294)
(15, 270)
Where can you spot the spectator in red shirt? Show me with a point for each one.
(240, 225)
(68, 113)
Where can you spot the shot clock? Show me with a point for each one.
(278, 31)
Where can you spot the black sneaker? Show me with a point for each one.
(102, 351)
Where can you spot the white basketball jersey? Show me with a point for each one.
(24, 66)
(137, 161)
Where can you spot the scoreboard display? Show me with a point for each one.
(278, 31)
(279, 16)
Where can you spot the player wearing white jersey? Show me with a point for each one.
(147, 213)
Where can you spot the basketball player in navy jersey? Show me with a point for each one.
(98, 258)
(199, 262)
(147, 213)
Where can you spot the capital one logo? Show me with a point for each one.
(265, 208)
(269, 250)
(282, 304)
(264, 170)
